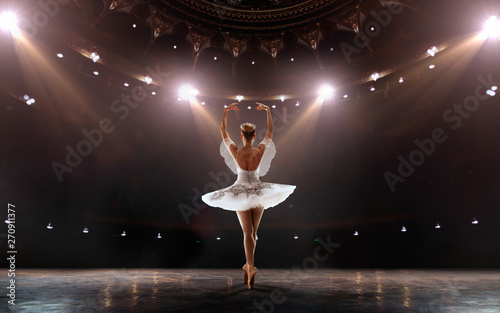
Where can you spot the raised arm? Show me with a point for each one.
(223, 130)
(269, 132)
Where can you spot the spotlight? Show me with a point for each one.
(187, 92)
(175, 47)
(148, 80)
(95, 57)
(159, 236)
(297, 104)
(96, 73)
(249, 107)
(239, 98)
(30, 101)
(134, 25)
(60, 55)
(49, 226)
(437, 226)
(292, 59)
(123, 234)
(432, 51)
(153, 93)
(401, 80)
(475, 221)
(85, 230)
(403, 229)
(346, 96)
(273, 106)
(203, 103)
(372, 88)
(215, 58)
(26, 97)
(375, 76)
(491, 28)
(295, 237)
(8, 22)
(490, 93)
(432, 66)
(372, 29)
(218, 238)
(331, 49)
(325, 92)
(356, 233)
(494, 88)
(253, 62)
(126, 84)
(282, 98)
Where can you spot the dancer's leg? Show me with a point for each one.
(245, 218)
(256, 217)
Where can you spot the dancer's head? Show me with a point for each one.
(248, 132)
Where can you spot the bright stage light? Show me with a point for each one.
(187, 92)
(295, 237)
(491, 93)
(124, 234)
(325, 92)
(85, 230)
(218, 238)
(159, 236)
(8, 22)
(375, 76)
(437, 226)
(274, 106)
(282, 98)
(148, 80)
(475, 221)
(403, 229)
(95, 57)
(491, 28)
(50, 226)
(356, 233)
(60, 55)
(239, 98)
(401, 80)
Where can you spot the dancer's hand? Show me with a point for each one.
(232, 106)
(261, 106)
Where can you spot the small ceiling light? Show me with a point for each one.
(60, 55)
(490, 93)
(124, 234)
(253, 62)
(215, 58)
(273, 106)
(297, 104)
(85, 230)
(372, 88)
(49, 226)
(95, 57)
(153, 93)
(437, 226)
(225, 106)
(134, 25)
(282, 98)
(356, 233)
(126, 84)
(401, 80)
(203, 103)
(8, 22)
(218, 238)
(494, 88)
(475, 221)
(30, 101)
(292, 59)
(432, 66)
(346, 96)
(179, 99)
(148, 80)
(325, 92)
(26, 97)
(158, 236)
(249, 107)
(491, 28)
(96, 73)
(372, 28)
(239, 98)
(175, 47)
(331, 49)
(403, 229)
(375, 76)
(295, 237)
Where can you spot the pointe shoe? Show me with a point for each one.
(245, 275)
(251, 276)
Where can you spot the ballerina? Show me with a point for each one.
(248, 196)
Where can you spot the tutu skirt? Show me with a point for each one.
(245, 196)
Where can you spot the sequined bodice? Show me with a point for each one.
(246, 177)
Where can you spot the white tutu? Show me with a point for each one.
(248, 191)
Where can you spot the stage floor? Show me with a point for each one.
(276, 290)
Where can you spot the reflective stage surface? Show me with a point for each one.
(276, 290)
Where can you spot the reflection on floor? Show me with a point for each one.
(276, 290)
